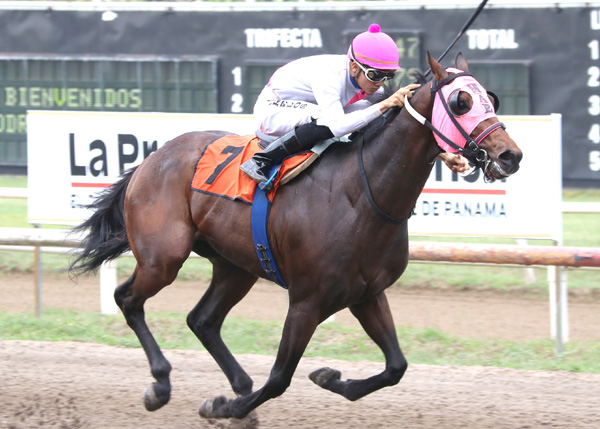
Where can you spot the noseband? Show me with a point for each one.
(471, 150)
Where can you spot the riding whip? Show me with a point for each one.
(461, 32)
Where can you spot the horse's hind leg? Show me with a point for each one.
(228, 286)
(375, 317)
(130, 297)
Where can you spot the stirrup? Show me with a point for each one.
(270, 183)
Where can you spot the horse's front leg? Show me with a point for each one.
(375, 317)
(300, 325)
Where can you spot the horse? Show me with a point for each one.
(336, 244)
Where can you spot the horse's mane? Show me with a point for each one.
(418, 76)
(375, 127)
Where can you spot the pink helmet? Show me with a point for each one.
(375, 49)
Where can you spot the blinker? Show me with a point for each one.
(495, 100)
(455, 105)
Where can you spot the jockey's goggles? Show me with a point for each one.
(374, 75)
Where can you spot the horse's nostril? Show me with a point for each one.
(511, 160)
(508, 156)
(511, 156)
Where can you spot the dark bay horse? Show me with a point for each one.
(332, 248)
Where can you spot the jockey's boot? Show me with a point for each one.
(302, 138)
(258, 168)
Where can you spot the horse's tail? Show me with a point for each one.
(107, 236)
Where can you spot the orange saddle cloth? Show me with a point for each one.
(218, 171)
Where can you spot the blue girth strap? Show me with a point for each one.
(261, 207)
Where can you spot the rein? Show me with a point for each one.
(365, 183)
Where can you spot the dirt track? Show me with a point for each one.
(74, 385)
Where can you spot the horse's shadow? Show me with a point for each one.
(249, 422)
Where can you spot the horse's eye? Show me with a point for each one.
(459, 102)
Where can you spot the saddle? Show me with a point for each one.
(217, 171)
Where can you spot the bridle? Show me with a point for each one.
(476, 156)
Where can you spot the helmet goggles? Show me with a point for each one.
(374, 75)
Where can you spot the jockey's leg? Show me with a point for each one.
(302, 138)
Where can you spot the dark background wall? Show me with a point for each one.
(544, 60)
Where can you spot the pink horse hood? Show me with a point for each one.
(482, 109)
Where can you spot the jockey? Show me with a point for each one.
(319, 97)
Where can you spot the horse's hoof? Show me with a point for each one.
(151, 402)
(323, 376)
(218, 407)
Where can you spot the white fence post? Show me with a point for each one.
(559, 311)
(108, 283)
(563, 301)
(552, 298)
(38, 278)
(529, 271)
